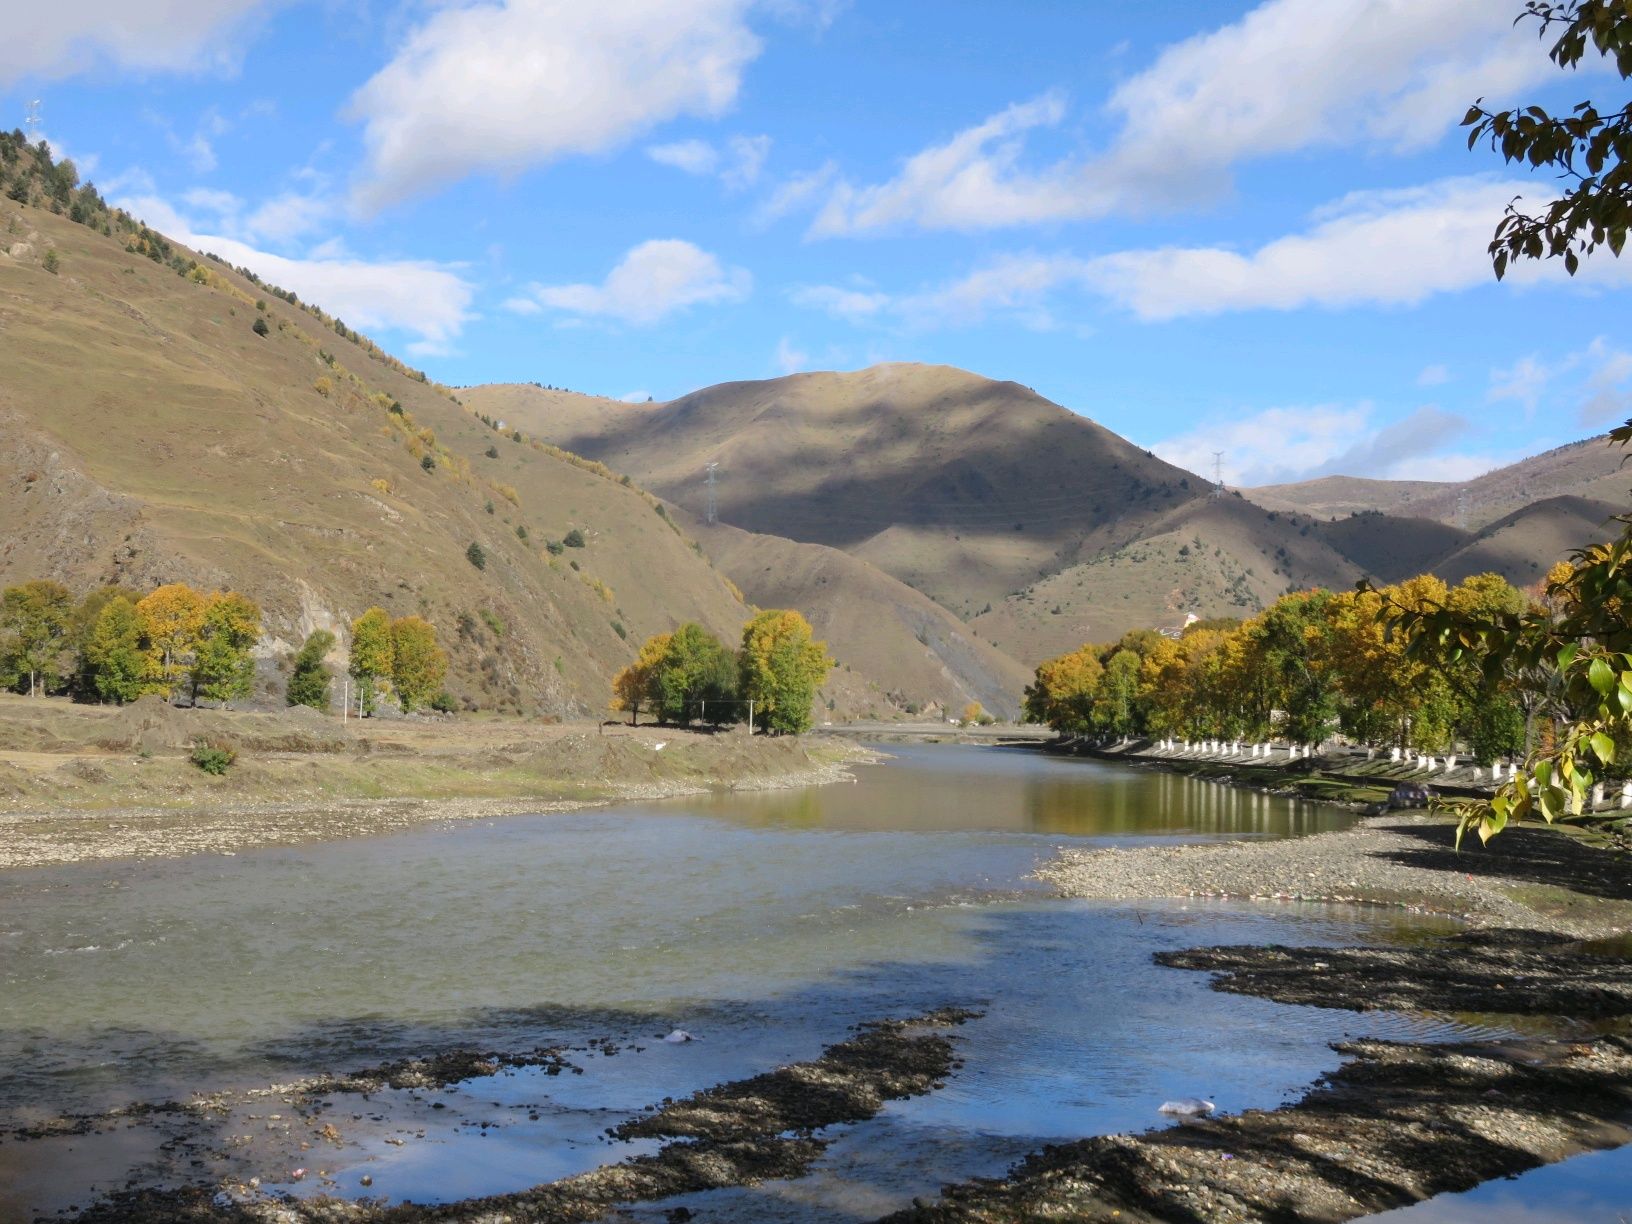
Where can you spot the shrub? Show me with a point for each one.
(396, 408)
(428, 462)
(214, 756)
(322, 385)
(554, 547)
(573, 538)
(443, 703)
(259, 327)
(52, 263)
(489, 507)
(476, 555)
(521, 531)
(492, 452)
(617, 628)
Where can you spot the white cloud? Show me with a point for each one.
(692, 156)
(748, 154)
(1391, 248)
(1433, 376)
(970, 182)
(430, 301)
(738, 167)
(652, 281)
(504, 86)
(51, 41)
(790, 359)
(1594, 382)
(281, 220)
(635, 397)
(795, 193)
(1287, 76)
(1278, 445)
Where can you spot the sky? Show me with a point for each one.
(1208, 225)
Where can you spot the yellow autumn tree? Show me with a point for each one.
(634, 686)
(371, 656)
(418, 664)
(172, 619)
(780, 667)
(1062, 692)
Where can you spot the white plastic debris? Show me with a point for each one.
(1187, 1107)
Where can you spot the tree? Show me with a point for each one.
(689, 671)
(418, 664)
(476, 555)
(223, 668)
(115, 663)
(634, 686)
(1114, 708)
(1587, 146)
(172, 619)
(780, 667)
(81, 626)
(1062, 692)
(309, 678)
(35, 618)
(573, 538)
(370, 660)
(259, 327)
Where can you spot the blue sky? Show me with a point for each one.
(1248, 227)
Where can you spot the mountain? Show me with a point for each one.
(960, 486)
(1035, 526)
(153, 436)
(1591, 469)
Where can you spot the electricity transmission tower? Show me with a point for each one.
(1218, 473)
(713, 512)
(31, 121)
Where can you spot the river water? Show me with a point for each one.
(764, 923)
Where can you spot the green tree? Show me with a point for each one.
(418, 664)
(35, 618)
(780, 667)
(82, 626)
(370, 660)
(476, 554)
(691, 669)
(1588, 149)
(1114, 709)
(223, 668)
(309, 678)
(115, 661)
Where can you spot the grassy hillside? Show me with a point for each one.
(913, 649)
(960, 486)
(1590, 469)
(154, 436)
(1034, 525)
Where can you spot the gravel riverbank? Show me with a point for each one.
(1537, 878)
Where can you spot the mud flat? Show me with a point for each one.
(84, 783)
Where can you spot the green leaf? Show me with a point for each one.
(1601, 676)
(1603, 747)
(1567, 654)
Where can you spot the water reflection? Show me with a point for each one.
(942, 788)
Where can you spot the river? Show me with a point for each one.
(765, 923)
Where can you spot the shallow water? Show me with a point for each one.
(766, 923)
(1595, 1188)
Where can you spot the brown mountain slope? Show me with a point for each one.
(1522, 546)
(1592, 469)
(1214, 557)
(153, 436)
(960, 486)
(1329, 496)
(882, 629)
